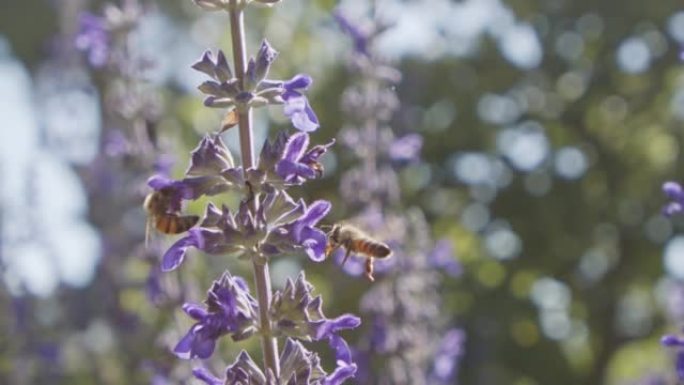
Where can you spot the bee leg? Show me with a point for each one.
(369, 269)
(346, 256)
(148, 229)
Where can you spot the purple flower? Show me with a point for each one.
(221, 232)
(301, 233)
(93, 38)
(297, 164)
(675, 193)
(345, 369)
(211, 172)
(230, 310)
(297, 106)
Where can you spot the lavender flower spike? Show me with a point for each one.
(297, 106)
(675, 193)
(297, 313)
(299, 367)
(230, 310)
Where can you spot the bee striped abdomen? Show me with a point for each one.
(372, 249)
(174, 224)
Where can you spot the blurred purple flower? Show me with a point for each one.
(406, 149)
(442, 257)
(93, 38)
(448, 357)
(675, 193)
(116, 144)
(359, 37)
(230, 310)
(163, 164)
(297, 106)
(153, 288)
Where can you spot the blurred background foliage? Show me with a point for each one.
(548, 129)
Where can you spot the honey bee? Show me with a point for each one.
(353, 240)
(157, 204)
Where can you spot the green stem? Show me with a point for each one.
(262, 281)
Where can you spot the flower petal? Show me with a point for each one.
(314, 242)
(196, 312)
(329, 329)
(316, 212)
(340, 375)
(298, 82)
(298, 109)
(296, 146)
(204, 375)
(184, 346)
(291, 171)
(175, 255)
(202, 347)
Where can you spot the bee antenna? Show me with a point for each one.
(327, 228)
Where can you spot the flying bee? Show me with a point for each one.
(161, 217)
(353, 240)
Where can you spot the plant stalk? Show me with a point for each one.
(262, 280)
